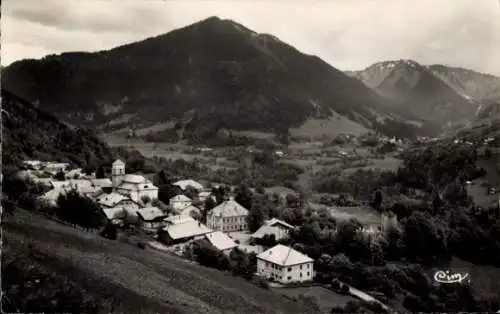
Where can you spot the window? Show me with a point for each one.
(308, 265)
(301, 275)
(289, 268)
(300, 266)
(289, 277)
(308, 274)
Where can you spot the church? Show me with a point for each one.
(136, 187)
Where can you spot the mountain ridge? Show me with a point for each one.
(426, 94)
(221, 73)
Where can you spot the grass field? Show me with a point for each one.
(326, 299)
(154, 281)
(328, 127)
(484, 279)
(365, 215)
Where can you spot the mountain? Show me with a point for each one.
(30, 133)
(214, 74)
(481, 87)
(423, 94)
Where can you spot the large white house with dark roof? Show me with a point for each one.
(285, 265)
(229, 216)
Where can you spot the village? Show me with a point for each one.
(126, 199)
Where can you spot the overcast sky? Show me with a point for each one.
(348, 34)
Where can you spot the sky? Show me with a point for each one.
(348, 34)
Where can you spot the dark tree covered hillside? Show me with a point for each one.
(223, 74)
(30, 133)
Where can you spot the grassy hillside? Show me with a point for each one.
(134, 280)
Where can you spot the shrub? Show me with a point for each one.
(336, 284)
(344, 289)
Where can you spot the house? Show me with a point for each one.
(77, 184)
(180, 202)
(178, 219)
(220, 241)
(74, 173)
(203, 195)
(151, 217)
(55, 167)
(276, 227)
(114, 214)
(183, 232)
(229, 216)
(285, 265)
(190, 210)
(116, 200)
(33, 164)
(183, 184)
(59, 184)
(51, 197)
(102, 183)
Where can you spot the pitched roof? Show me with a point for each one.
(102, 183)
(220, 240)
(229, 208)
(179, 219)
(76, 184)
(134, 178)
(150, 213)
(53, 195)
(275, 222)
(180, 198)
(183, 184)
(111, 199)
(278, 232)
(186, 230)
(59, 184)
(113, 212)
(186, 211)
(284, 256)
(118, 162)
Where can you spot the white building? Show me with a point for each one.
(102, 183)
(134, 186)
(183, 232)
(178, 219)
(183, 184)
(55, 167)
(151, 217)
(220, 241)
(276, 227)
(190, 210)
(117, 172)
(285, 265)
(229, 216)
(202, 196)
(117, 200)
(180, 202)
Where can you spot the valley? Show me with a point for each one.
(216, 169)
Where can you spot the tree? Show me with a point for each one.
(100, 173)
(79, 210)
(209, 205)
(60, 176)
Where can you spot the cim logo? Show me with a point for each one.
(451, 277)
